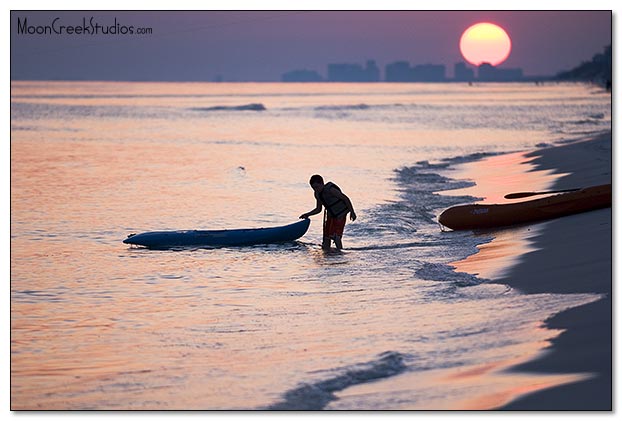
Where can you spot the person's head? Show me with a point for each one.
(316, 182)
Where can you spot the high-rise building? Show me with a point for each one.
(489, 73)
(428, 73)
(398, 71)
(347, 72)
(401, 71)
(462, 73)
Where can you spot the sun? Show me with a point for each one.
(485, 43)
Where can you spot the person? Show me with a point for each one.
(336, 207)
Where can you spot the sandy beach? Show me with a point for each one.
(566, 256)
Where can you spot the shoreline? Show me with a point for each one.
(567, 255)
(557, 372)
(584, 265)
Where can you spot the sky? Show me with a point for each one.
(262, 45)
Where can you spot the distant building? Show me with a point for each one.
(302, 76)
(462, 73)
(489, 73)
(372, 71)
(429, 73)
(401, 71)
(398, 71)
(346, 72)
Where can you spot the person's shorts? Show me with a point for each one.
(334, 227)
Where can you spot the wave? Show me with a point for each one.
(416, 180)
(446, 273)
(315, 396)
(419, 201)
(476, 156)
(246, 107)
(443, 164)
(596, 119)
(29, 128)
(393, 246)
(342, 107)
(42, 128)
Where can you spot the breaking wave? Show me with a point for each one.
(315, 396)
(245, 107)
(342, 107)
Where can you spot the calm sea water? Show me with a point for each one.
(385, 325)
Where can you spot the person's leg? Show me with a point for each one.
(326, 232)
(337, 231)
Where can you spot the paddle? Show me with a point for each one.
(535, 193)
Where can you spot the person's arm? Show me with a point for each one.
(346, 199)
(318, 209)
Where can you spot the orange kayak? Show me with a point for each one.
(491, 216)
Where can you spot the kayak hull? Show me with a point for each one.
(220, 238)
(498, 215)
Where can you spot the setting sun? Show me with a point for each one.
(485, 43)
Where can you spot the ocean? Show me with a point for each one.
(386, 324)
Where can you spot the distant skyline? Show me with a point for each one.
(261, 46)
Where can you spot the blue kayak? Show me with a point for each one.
(220, 238)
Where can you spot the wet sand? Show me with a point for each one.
(567, 255)
(572, 255)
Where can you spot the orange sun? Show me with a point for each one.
(485, 43)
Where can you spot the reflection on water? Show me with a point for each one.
(501, 175)
(97, 325)
(490, 384)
